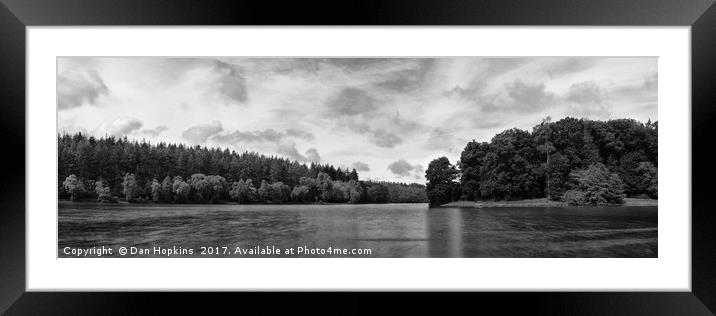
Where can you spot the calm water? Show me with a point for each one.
(388, 230)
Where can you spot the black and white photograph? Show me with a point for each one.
(500, 154)
(357, 157)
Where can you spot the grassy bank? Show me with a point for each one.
(539, 203)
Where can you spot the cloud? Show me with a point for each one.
(288, 66)
(404, 125)
(528, 98)
(408, 79)
(231, 82)
(585, 93)
(519, 97)
(200, 133)
(459, 91)
(377, 136)
(154, 132)
(307, 136)
(400, 84)
(382, 131)
(312, 155)
(120, 127)
(484, 72)
(349, 102)
(72, 129)
(370, 110)
(565, 66)
(639, 96)
(356, 125)
(290, 151)
(354, 64)
(487, 122)
(75, 88)
(587, 99)
(360, 166)
(515, 96)
(267, 135)
(383, 138)
(648, 106)
(439, 139)
(651, 82)
(498, 66)
(403, 168)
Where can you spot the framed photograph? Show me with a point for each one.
(462, 147)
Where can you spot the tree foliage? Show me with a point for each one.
(132, 170)
(103, 192)
(73, 186)
(110, 158)
(518, 164)
(129, 187)
(595, 185)
(441, 186)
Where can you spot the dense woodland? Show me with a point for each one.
(112, 169)
(577, 161)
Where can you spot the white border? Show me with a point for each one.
(671, 271)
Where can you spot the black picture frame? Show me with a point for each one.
(16, 15)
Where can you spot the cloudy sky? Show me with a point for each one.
(386, 117)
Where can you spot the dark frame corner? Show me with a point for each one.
(15, 15)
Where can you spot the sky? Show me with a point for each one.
(385, 117)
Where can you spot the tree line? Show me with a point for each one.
(577, 161)
(116, 169)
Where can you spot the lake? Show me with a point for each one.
(373, 230)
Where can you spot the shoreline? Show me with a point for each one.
(543, 202)
(88, 202)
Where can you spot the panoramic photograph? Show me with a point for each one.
(335, 157)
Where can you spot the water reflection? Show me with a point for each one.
(445, 236)
(543, 232)
(389, 230)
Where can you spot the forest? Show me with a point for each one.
(110, 169)
(577, 161)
